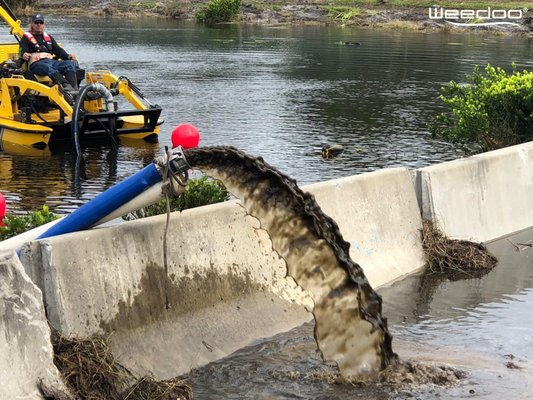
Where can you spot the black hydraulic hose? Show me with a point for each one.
(8, 10)
(115, 143)
(34, 111)
(75, 128)
(131, 85)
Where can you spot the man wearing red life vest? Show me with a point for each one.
(38, 48)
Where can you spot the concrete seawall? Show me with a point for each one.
(482, 197)
(224, 284)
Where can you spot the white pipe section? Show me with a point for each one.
(150, 196)
(15, 243)
(102, 90)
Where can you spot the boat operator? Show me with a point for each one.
(38, 49)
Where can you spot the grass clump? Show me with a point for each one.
(342, 13)
(452, 257)
(91, 372)
(217, 11)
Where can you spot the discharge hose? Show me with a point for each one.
(93, 87)
(115, 197)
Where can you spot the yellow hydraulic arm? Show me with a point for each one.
(9, 17)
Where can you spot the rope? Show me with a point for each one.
(168, 189)
(169, 176)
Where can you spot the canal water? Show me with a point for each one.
(279, 92)
(481, 327)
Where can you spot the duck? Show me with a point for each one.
(333, 151)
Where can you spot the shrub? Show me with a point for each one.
(494, 110)
(218, 11)
(15, 225)
(199, 192)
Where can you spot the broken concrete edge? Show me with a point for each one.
(26, 355)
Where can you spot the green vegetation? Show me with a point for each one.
(495, 110)
(218, 11)
(342, 13)
(15, 225)
(200, 192)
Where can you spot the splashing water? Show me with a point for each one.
(349, 327)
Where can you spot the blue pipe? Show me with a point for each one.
(106, 202)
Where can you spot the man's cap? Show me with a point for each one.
(37, 18)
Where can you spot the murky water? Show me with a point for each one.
(481, 326)
(276, 92)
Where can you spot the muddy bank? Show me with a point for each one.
(379, 16)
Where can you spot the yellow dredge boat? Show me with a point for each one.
(35, 112)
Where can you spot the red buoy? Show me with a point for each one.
(2, 209)
(186, 136)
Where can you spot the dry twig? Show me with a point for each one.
(92, 373)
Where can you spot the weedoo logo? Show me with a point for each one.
(492, 17)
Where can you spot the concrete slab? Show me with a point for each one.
(483, 197)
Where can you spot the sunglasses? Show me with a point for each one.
(38, 22)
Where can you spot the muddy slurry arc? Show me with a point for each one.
(349, 327)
